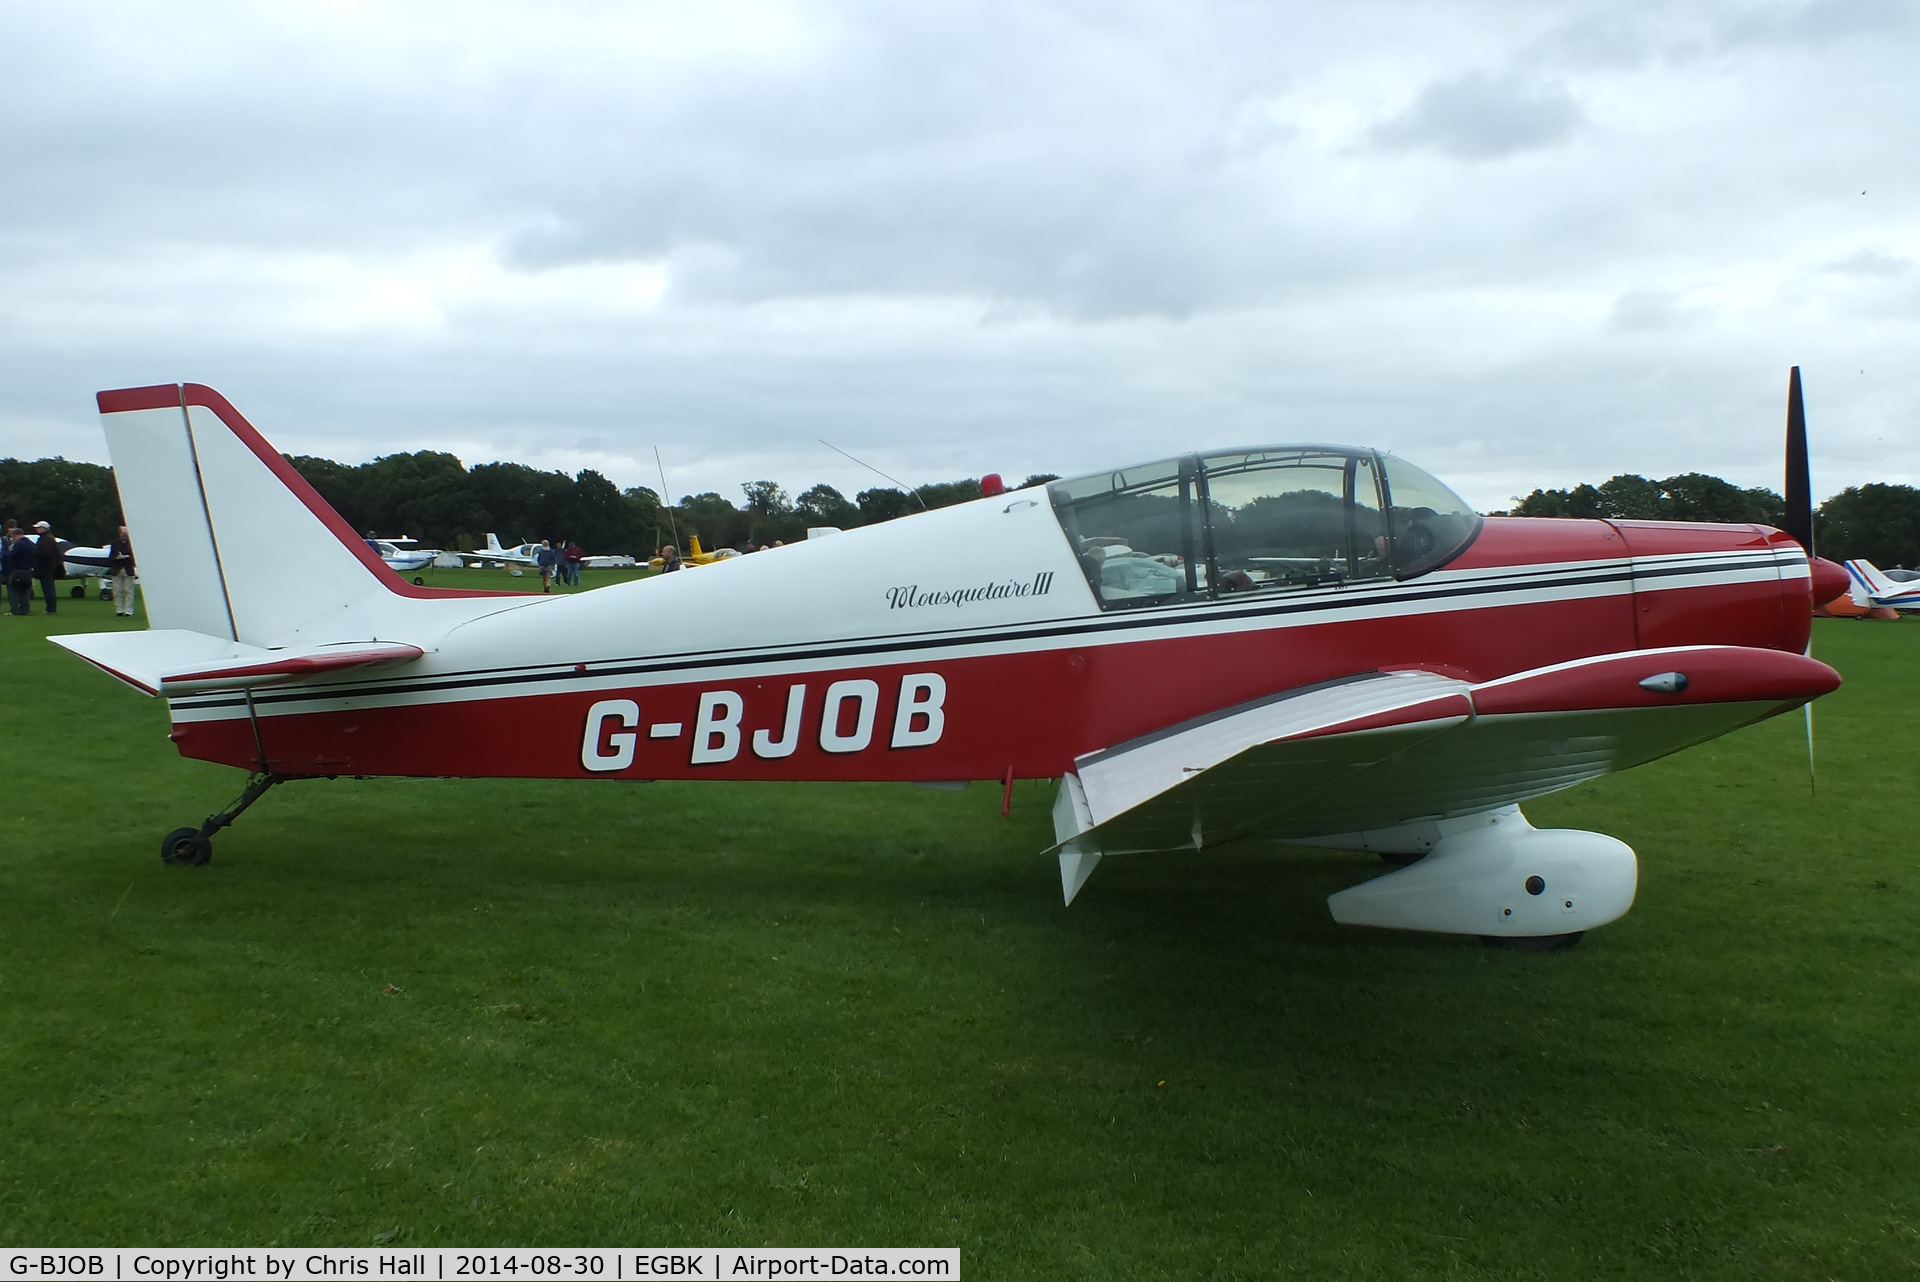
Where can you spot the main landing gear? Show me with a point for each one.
(194, 846)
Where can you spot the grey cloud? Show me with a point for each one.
(1482, 117)
(1871, 263)
(1808, 24)
(1634, 34)
(1020, 236)
(1617, 37)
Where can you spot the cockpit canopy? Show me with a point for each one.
(1256, 521)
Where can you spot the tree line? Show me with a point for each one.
(77, 499)
(435, 498)
(1880, 523)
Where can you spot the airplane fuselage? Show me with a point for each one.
(883, 653)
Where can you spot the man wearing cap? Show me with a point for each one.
(46, 563)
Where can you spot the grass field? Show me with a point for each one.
(590, 1013)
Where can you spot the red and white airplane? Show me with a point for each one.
(1874, 588)
(1309, 643)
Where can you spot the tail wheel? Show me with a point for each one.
(185, 847)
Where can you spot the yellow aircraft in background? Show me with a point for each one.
(695, 555)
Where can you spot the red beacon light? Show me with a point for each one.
(991, 484)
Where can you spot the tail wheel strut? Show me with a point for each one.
(192, 847)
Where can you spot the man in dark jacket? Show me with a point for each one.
(16, 565)
(47, 564)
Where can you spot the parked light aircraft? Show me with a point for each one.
(80, 562)
(1875, 588)
(403, 555)
(697, 555)
(525, 554)
(520, 554)
(1309, 643)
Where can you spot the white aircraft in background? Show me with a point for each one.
(1887, 589)
(520, 555)
(404, 555)
(87, 563)
(525, 555)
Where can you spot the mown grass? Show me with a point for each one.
(457, 1012)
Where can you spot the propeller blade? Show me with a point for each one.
(1799, 490)
(1799, 495)
(1813, 783)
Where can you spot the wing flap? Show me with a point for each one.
(1119, 778)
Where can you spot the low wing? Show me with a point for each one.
(1384, 750)
(169, 661)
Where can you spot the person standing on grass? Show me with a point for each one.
(47, 565)
(120, 565)
(546, 559)
(7, 536)
(574, 556)
(17, 562)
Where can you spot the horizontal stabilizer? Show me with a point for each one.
(169, 661)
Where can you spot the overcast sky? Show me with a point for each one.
(1521, 244)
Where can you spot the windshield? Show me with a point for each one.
(1428, 524)
(1280, 519)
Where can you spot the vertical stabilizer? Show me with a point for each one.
(1870, 583)
(232, 541)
